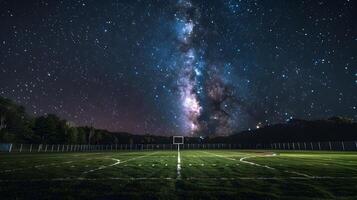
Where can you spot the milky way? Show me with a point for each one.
(186, 20)
(205, 94)
(180, 67)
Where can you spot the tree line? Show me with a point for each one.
(16, 126)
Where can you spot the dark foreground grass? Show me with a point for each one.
(213, 174)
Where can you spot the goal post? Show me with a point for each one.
(178, 140)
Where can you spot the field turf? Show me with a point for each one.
(202, 174)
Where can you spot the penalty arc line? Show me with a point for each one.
(56, 164)
(266, 166)
(103, 167)
(36, 166)
(300, 174)
(220, 156)
(116, 163)
(243, 160)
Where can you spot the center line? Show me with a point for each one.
(178, 162)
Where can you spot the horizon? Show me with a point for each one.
(71, 124)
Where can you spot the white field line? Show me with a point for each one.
(287, 171)
(45, 165)
(265, 166)
(66, 162)
(80, 154)
(164, 156)
(299, 173)
(189, 178)
(103, 167)
(243, 160)
(36, 166)
(178, 162)
(117, 163)
(48, 165)
(228, 158)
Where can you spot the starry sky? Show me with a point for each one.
(180, 67)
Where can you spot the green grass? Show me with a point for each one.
(205, 174)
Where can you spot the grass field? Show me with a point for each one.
(210, 174)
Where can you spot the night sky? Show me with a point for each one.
(173, 67)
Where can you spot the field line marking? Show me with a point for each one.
(37, 166)
(266, 166)
(178, 162)
(103, 167)
(287, 171)
(48, 165)
(243, 160)
(189, 178)
(117, 163)
(299, 173)
(51, 164)
(220, 156)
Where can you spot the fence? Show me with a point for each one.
(321, 146)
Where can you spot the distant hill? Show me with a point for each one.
(297, 130)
